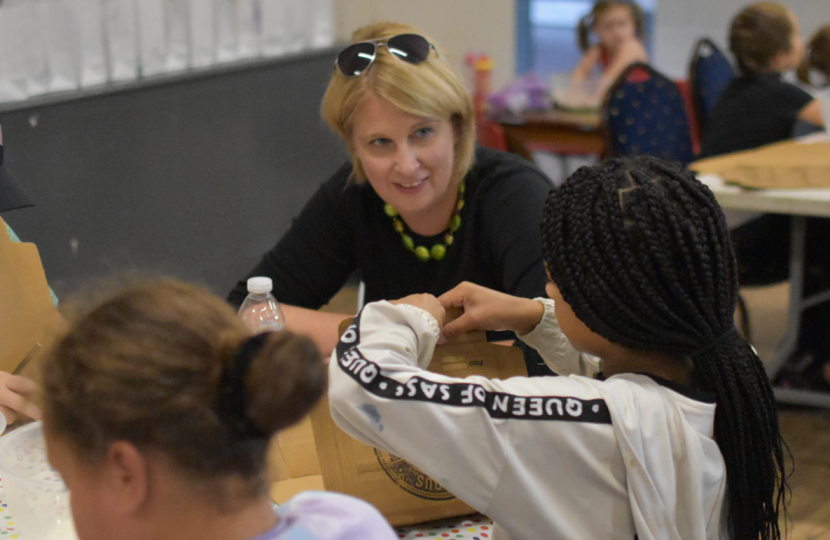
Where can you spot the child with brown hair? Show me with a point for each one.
(159, 409)
(758, 108)
(815, 69)
(619, 27)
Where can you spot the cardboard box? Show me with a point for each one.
(402, 493)
(793, 164)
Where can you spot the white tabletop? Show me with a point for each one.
(799, 202)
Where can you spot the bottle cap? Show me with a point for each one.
(260, 284)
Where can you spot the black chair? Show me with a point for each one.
(644, 114)
(709, 73)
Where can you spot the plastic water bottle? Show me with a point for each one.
(260, 310)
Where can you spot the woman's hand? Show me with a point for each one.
(486, 309)
(427, 302)
(15, 397)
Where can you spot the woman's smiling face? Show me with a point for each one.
(407, 159)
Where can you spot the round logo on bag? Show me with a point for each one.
(411, 479)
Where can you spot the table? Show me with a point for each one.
(556, 131)
(8, 529)
(474, 527)
(799, 204)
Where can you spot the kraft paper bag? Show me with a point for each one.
(152, 47)
(248, 28)
(121, 38)
(321, 23)
(177, 34)
(89, 15)
(227, 29)
(62, 41)
(27, 316)
(202, 33)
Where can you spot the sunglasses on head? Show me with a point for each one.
(357, 57)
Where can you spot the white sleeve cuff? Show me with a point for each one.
(426, 315)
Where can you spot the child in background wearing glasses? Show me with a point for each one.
(159, 409)
(418, 208)
(668, 430)
(619, 27)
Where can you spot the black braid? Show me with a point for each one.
(640, 250)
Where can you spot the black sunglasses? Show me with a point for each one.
(357, 57)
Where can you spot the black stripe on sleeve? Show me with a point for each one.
(497, 404)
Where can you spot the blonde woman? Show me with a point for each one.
(418, 208)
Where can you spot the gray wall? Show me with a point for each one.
(195, 175)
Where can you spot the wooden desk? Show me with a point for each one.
(559, 132)
(799, 204)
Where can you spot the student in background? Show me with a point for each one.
(159, 409)
(666, 428)
(814, 71)
(619, 30)
(757, 108)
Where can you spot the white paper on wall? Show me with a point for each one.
(177, 34)
(297, 13)
(62, 44)
(24, 70)
(276, 26)
(202, 33)
(89, 15)
(321, 23)
(121, 39)
(248, 28)
(227, 28)
(152, 48)
(12, 75)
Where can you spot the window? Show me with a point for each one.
(546, 34)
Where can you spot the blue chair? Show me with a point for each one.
(644, 114)
(709, 73)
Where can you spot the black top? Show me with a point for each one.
(344, 229)
(754, 110)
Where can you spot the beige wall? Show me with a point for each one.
(458, 25)
(489, 25)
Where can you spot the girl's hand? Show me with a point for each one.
(486, 309)
(15, 397)
(427, 302)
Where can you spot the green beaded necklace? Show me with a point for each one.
(437, 251)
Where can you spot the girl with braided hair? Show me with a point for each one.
(665, 426)
(159, 408)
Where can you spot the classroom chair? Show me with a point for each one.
(644, 114)
(709, 73)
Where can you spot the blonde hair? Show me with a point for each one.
(146, 365)
(758, 33)
(431, 89)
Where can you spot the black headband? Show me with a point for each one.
(232, 403)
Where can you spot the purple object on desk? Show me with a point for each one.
(527, 93)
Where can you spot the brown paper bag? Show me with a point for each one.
(27, 316)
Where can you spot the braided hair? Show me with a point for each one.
(640, 250)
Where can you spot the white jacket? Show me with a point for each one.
(567, 457)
